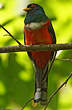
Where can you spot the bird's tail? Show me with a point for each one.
(41, 85)
(44, 87)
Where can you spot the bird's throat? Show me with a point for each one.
(36, 25)
(33, 26)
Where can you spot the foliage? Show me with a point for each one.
(16, 70)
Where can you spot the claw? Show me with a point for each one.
(34, 104)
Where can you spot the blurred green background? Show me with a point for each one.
(16, 70)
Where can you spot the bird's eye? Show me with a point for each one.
(33, 5)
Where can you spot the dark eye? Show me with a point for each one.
(33, 5)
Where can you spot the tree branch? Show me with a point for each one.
(51, 47)
(10, 34)
(56, 91)
(52, 95)
(27, 103)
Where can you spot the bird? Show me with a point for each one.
(38, 30)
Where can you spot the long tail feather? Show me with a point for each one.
(37, 94)
(41, 85)
(44, 86)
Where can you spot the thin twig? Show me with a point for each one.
(28, 101)
(69, 60)
(10, 34)
(56, 91)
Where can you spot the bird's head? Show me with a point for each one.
(35, 13)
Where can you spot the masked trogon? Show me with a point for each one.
(38, 30)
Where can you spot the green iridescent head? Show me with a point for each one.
(35, 13)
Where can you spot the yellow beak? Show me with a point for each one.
(26, 9)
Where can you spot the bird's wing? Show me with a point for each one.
(53, 54)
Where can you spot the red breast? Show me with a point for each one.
(39, 36)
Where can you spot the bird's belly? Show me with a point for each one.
(35, 37)
(41, 58)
